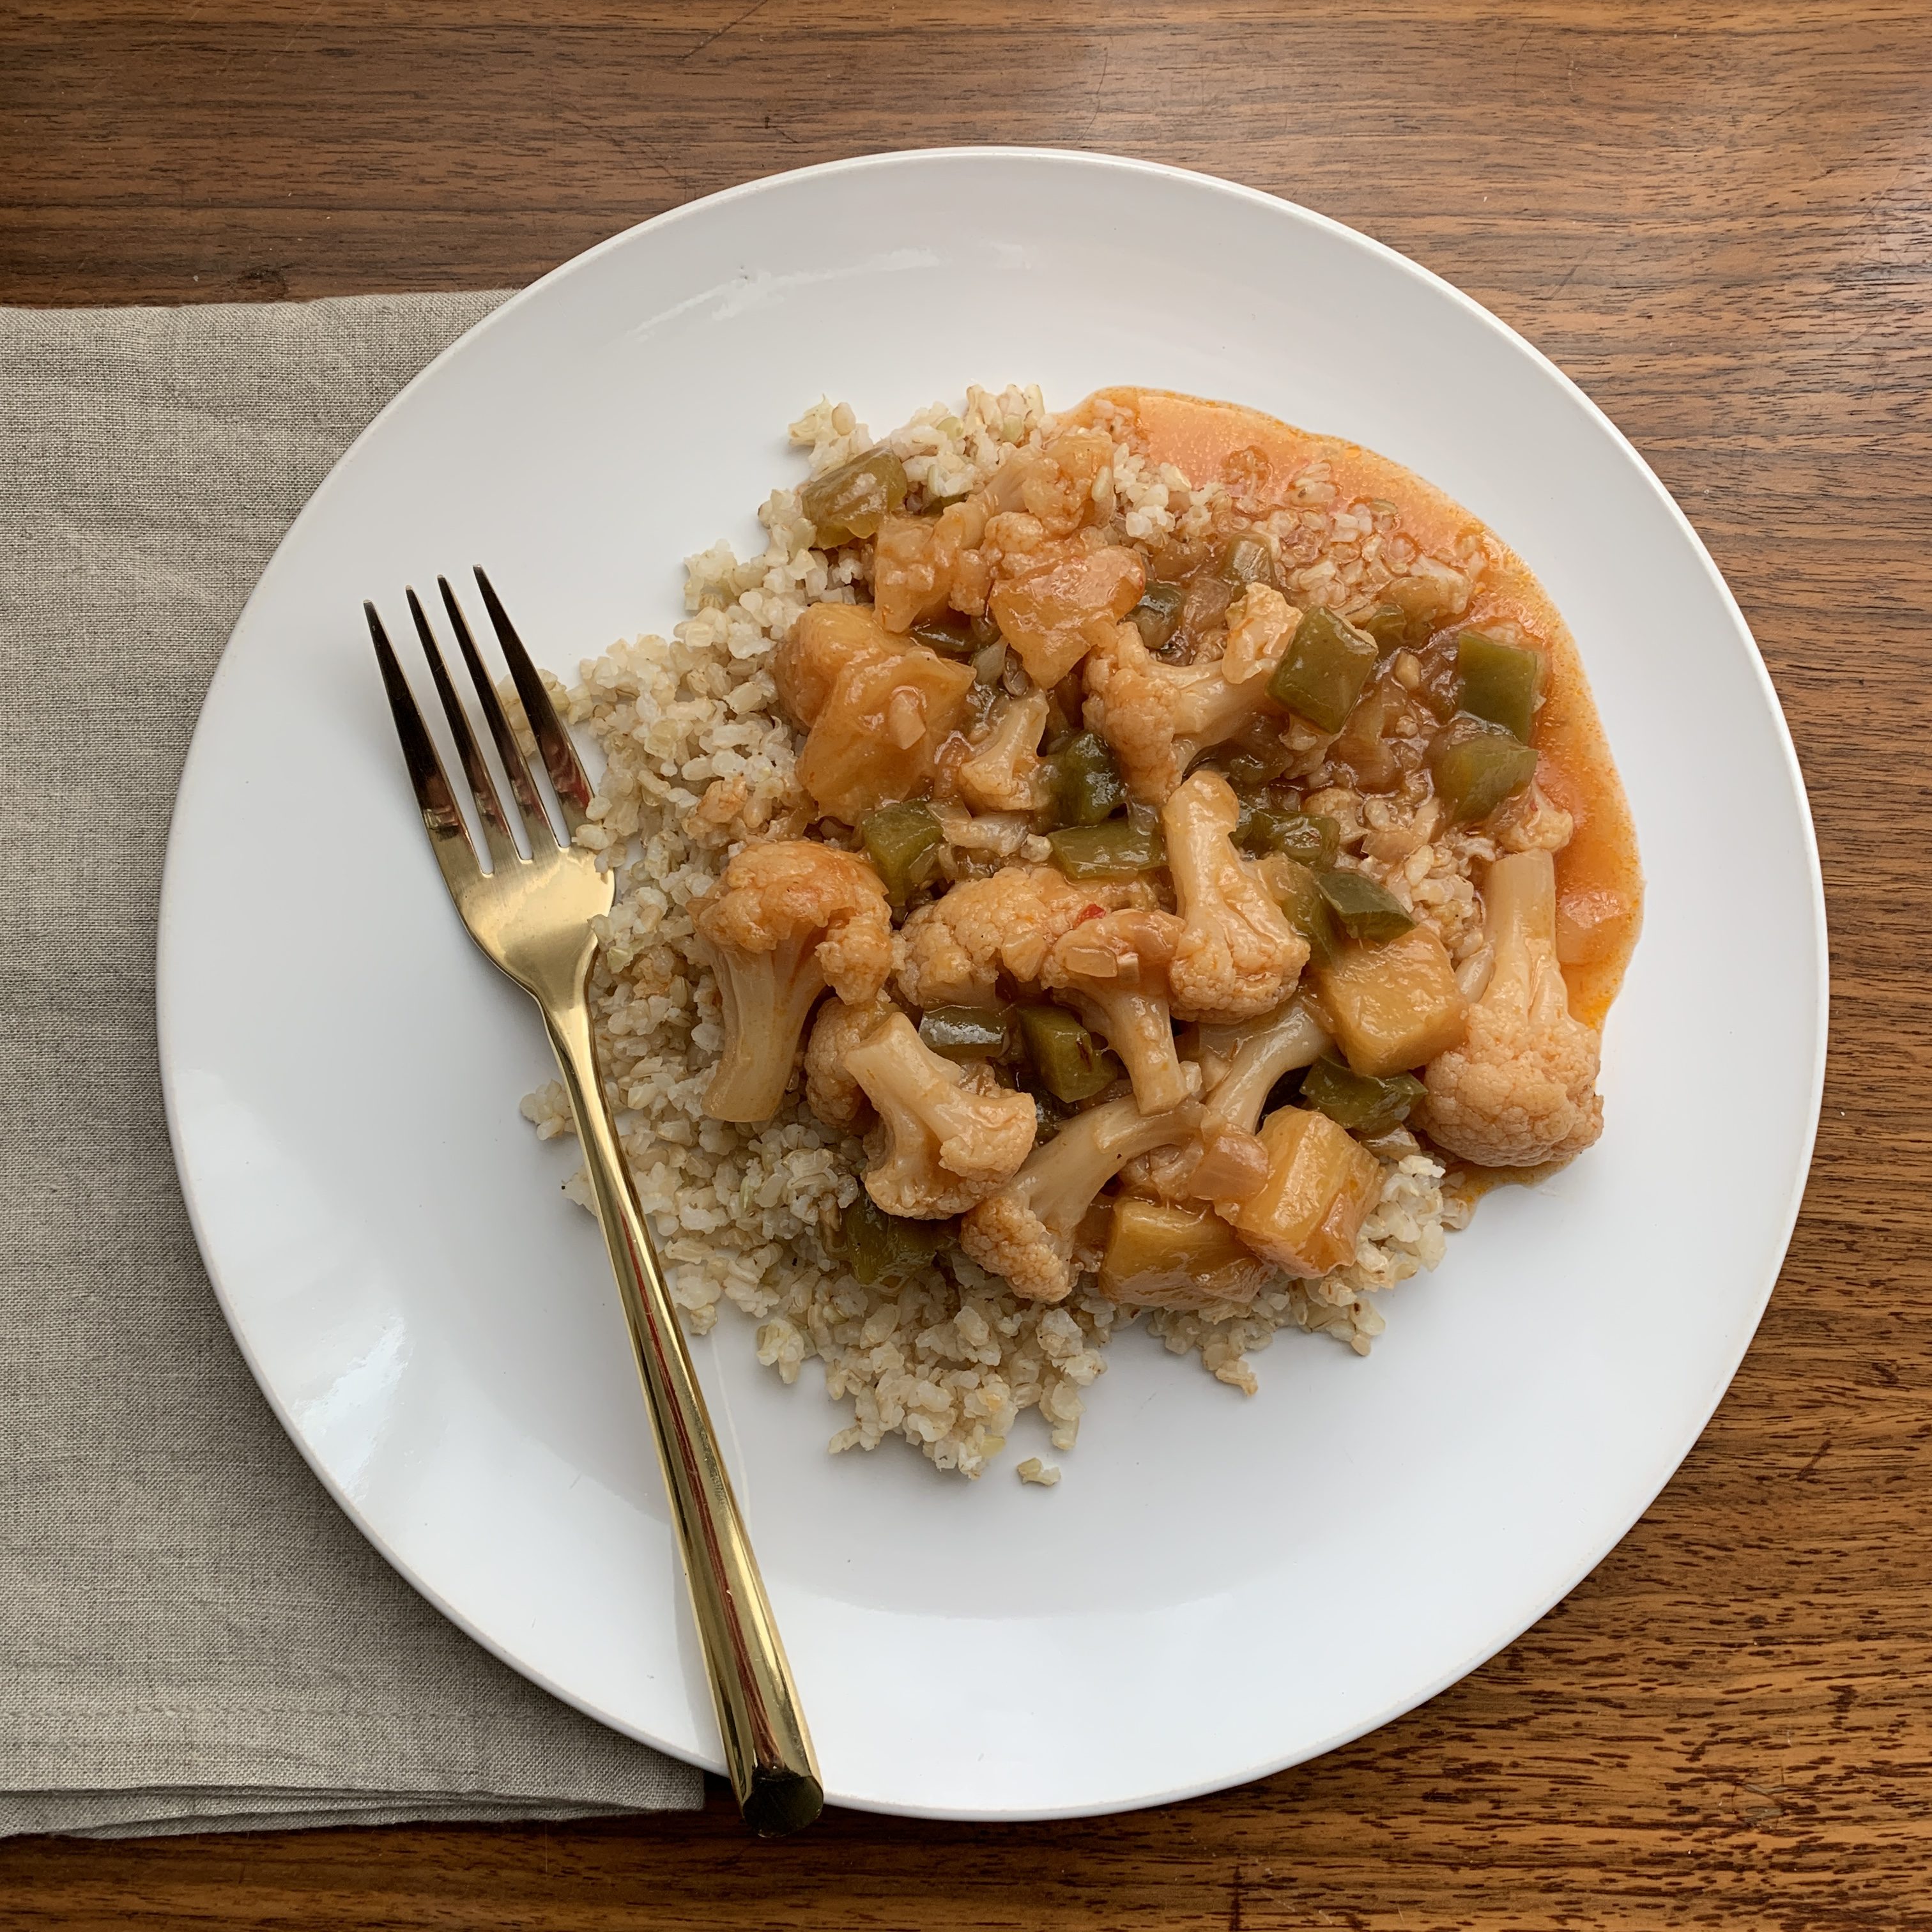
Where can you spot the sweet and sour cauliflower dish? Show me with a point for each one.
(1149, 863)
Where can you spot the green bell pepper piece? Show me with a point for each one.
(855, 498)
(1246, 559)
(1072, 1064)
(903, 842)
(1307, 836)
(1388, 625)
(1157, 616)
(1306, 910)
(1087, 787)
(1497, 681)
(1477, 765)
(1367, 911)
(1322, 673)
(1118, 850)
(1357, 1101)
(876, 1246)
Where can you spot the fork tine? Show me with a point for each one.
(560, 761)
(483, 788)
(448, 837)
(536, 821)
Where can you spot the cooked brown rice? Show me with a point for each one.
(699, 758)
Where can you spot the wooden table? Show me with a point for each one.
(1719, 219)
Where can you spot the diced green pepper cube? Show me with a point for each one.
(1477, 765)
(1118, 849)
(1362, 1105)
(1368, 911)
(1257, 759)
(1388, 625)
(876, 1246)
(950, 635)
(1157, 616)
(1245, 559)
(1087, 787)
(969, 1032)
(1321, 674)
(1307, 836)
(1313, 837)
(1303, 906)
(1072, 1064)
(903, 842)
(855, 498)
(1499, 682)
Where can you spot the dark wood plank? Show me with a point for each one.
(1719, 219)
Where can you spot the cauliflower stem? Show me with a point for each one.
(1025, 1229)
(1254, 1057)
(1112, 971)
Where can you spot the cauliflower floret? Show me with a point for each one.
(1521, 1089)
(830, 1092)
(1025, 1230)
(921, 564)
(1531, 821)
(948, 1135)
(878, 731)
(786, 920)
(1054, 484)
(953, 952)
(1261, 626)
(1237, 956)
(1112, 971)
(1158, 718)
(1005, 771)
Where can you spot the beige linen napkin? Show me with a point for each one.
(192, 1636)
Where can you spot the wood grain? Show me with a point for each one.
(1719, 219)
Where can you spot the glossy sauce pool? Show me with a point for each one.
(1599, 883)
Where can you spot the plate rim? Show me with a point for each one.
(1076, 159)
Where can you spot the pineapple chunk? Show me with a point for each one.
(878, 732)
(1320, 1187)
(1048, 617)
(829, 640)
(1393, 1006)
(1163, 1257)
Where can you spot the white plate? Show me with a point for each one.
(1220, 1586)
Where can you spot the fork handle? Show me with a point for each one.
(767, 1748)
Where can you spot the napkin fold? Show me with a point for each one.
(193, 1636)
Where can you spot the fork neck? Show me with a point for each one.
(555, 971)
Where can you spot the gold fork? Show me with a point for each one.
(532, 917)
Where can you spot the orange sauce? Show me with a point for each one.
(1599, 884)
